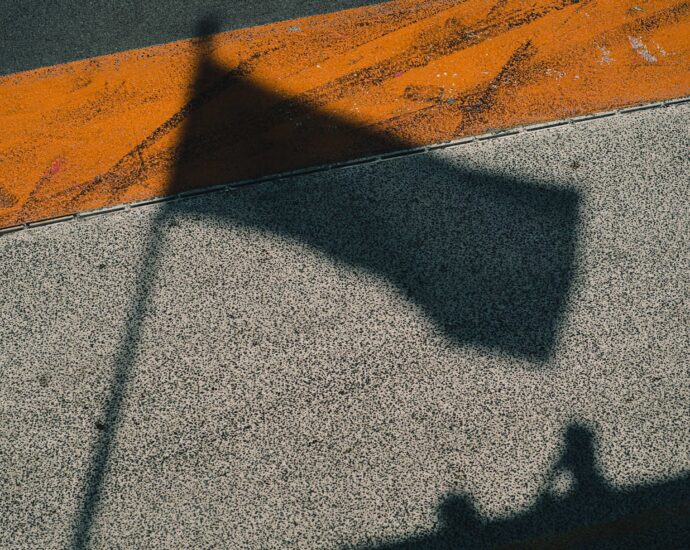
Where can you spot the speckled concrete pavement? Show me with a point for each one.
(278, 366)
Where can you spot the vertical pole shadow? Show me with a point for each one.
(126, 353)
(123, 362)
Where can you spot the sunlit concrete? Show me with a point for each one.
(275, 392)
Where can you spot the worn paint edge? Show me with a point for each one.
(345, 164)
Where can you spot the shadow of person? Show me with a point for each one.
(579, 461)
(488, 258)
(586, 512)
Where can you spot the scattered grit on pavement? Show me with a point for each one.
(277, 366)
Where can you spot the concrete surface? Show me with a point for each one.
(269, 367)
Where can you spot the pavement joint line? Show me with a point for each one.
(350, 163)
(204, 191)
(50, 221)
(545, 125)
(304, 171)
(263, 179)
(644, 107)
(355, 162)
(498, 134)
(154, 200)
(603, 114)
(100, 211)
(443, 145)
(11, 229)
(679, 101)
(403, 153)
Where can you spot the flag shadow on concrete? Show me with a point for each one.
(487, 258)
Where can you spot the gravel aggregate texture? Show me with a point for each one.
(469, 347)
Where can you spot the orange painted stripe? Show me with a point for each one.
(246, 103)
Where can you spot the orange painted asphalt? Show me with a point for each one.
(247, 103)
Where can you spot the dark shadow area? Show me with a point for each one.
(585, 512)
(489, 259)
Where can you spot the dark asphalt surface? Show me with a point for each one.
(37, 33)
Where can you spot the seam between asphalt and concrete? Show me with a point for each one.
(345, 164)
